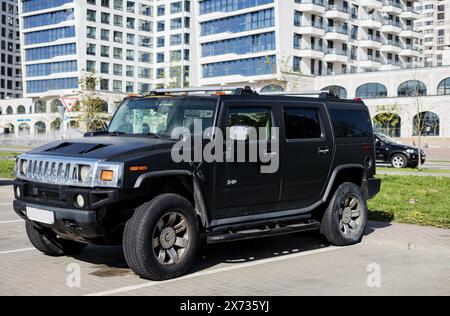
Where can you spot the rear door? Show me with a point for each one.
(307, 154)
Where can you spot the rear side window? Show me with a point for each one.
(351, 123)
(302, 123)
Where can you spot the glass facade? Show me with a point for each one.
(36, 5)
(241, 45)
(49, 52)
(51, 68)
(38, 86)
(48, 18)
(210, 6)
(49, 35)
(244, 67)
(239, 23)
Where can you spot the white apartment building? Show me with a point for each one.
(434, 24)
(10, 65)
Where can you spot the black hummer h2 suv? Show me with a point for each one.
(122, 185)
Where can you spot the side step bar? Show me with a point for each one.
(263, 232)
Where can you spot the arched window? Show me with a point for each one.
(55, 104)
(24, 129)
(371, 90)
(426, 124)
(21, 109)
(9, 110)
(40, 107)
(104, 107)
(444, 87)
(39, 128)
(388, 124)
(272, 88)
(9, 128)
(412, 88)
(337, 90)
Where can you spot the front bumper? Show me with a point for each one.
(74, 224)
(373, 187)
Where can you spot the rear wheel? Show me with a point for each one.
(160, 241)
(399, 161)
(345, 219)
(50, 244)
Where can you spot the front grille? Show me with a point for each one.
(52, 170)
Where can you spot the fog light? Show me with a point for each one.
(18, 194)
(80, 200)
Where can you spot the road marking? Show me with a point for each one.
(16, 250)
(214, 271)
(10, 222)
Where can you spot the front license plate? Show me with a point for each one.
(41, 216)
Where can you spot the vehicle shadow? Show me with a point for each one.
(110, 260)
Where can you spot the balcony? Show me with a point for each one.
(390, 26)
(410, 14)
(410, 32)
(392, 7)
(315, 29)
(372, 4)
(391, 46)
(372, 22)
(337, 12)
(337, 34)
(410, 50)
(391, 65)
(336, 55)
(311, 6)
(371, 62)
(371, 41)
(310, 51)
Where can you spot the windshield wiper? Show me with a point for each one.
(153, 135)
(116, 133)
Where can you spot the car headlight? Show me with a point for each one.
(108, 174)
(85, 174)
(23, 168)
(411, 151)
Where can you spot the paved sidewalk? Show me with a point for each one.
(400, 259)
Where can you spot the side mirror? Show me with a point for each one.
(239, 133)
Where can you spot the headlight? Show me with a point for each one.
(85, 174)
(23, 167)
(411, 151)
(108, 174)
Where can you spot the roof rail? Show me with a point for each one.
(197, 89)
(323, 94)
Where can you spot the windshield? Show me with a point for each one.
(160, 116)
(386, 139)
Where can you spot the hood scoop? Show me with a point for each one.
(67, 148)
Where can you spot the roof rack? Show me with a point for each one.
(247, 90)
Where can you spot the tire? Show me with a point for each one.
(414, 165)
(399, 161)
(161, 240)
(342, 223)
(50, 244)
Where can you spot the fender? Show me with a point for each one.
(200, 206)
(334, 175)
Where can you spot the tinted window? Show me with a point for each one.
(251, 117)
(351, 123)
(302, 123)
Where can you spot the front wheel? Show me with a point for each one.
(399, 161)
(345, 219)
(50, 244)
(160, 241)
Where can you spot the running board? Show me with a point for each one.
(278, 229)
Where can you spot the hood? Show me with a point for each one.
(402, 147)
(104, 148)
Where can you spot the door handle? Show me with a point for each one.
(323, 151)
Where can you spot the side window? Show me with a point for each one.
(302, 123)
(351, 123)
(256, 118)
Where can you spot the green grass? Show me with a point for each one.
(413, 200)
(6, 154)
(7, 169)
(413, 170)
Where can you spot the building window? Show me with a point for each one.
(371, 90)
(444, 87)
(412, 88)
(339, 91)
(426, 124)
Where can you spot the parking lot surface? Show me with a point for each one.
(393, 259)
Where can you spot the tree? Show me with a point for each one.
(90, 107)
(387, 118)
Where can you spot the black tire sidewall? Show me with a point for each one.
(142, 226)
(331, 217)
